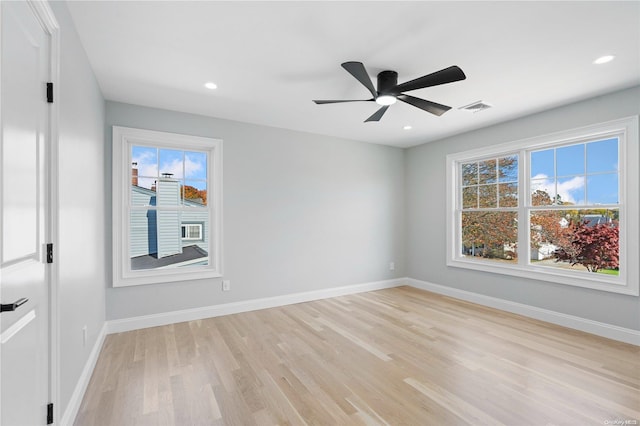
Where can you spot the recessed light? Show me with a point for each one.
(210, 85)
(604, 59)
(407, 127)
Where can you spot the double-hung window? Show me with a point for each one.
(167, 204)
(561, 207)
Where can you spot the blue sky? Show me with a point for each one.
(582, 173)
(190, 166)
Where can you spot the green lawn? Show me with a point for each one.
(609, 271)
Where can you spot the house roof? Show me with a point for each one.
(197, 202)
(190, 254)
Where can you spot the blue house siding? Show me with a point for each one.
(143, 237)
(197, 215)
(169, 238)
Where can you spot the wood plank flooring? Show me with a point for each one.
(400, 356)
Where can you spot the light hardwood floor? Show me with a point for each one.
(400, 356)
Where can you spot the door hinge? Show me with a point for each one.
(50, 253)
(50, 414)
(50, 92)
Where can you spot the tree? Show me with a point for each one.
(548, 227)
(541, 198)
(594, 247)
(191, 193)
(490, 184)
(488, 232)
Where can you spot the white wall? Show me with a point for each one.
(80, 255)
(302, 212)
(426, 215)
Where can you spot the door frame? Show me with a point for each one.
(45, 16)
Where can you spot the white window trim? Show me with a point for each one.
(627, 281)
(123, 139)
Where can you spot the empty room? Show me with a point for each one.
(319, 213)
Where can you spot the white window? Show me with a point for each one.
(167, 204)
(560, 208)
(191, 231)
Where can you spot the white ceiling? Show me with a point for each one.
(270, 59)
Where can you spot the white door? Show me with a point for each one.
(24, 350)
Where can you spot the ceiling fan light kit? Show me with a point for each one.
(389, 91)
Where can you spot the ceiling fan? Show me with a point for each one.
(389, 90)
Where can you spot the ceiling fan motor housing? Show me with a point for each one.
(387, 80)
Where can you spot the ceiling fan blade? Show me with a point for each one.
(340, 101)
(357, 70)
(378, 114)
(428, 106)
(447, 75)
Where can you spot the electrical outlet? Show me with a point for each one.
(84, 336)
(226, 285)
(392, 266)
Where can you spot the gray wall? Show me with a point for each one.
(82, 232)
(301, 212)
(426, 215)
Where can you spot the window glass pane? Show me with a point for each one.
(144, 166)
(470, 197)
(508, 169)
(508, 194)
(470, 174)
(580, 240)
(488, 171)
(570, 160)
(195, 193)
(602, 156)
(490, 236)
(171, 163)
(602, 189)
(549, 230)
(195, 165)
(571, 190)
(542, 192)
(487, 196)
(542, 164)
(168, 239)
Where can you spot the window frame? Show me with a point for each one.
(123, 139)
(626, 129)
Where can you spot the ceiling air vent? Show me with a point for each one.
(476, 106)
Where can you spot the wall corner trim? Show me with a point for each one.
(146, 321)
(609, 331)
(71, 410)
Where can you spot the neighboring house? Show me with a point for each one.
(544, 251)
(167, 238)
(592, 220)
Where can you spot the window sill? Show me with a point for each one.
(165, 276)
(600, 282)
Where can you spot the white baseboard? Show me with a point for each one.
(70, 413)
(621, 334)
(135, 323)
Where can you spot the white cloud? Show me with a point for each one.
(174, 167)
(147, 165)
(192, 167)
(568, 190)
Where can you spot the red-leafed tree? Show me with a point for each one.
(594, 247)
